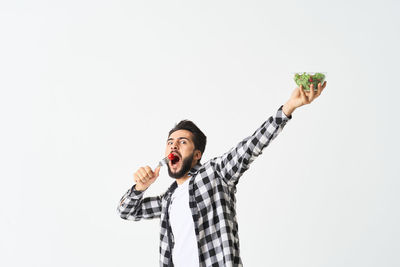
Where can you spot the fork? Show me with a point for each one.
(163, 162)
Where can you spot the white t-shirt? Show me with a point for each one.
(185, 252)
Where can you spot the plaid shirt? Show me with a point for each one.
(212, 201)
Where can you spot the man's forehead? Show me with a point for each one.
(181, 133)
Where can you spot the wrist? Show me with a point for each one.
(288, 108)
(138, 188)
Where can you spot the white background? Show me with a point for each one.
(90, 89)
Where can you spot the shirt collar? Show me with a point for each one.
(194, 169)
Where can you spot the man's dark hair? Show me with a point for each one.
(199, 138)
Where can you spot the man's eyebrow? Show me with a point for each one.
(179, 138)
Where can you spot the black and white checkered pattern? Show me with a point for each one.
(212, 189)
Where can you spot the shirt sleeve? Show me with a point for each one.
(231, 165)
(134, 207)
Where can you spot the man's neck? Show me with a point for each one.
(182, 180)
(186, 176)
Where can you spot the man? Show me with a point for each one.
(198, 211)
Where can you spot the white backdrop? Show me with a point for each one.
(90, 89)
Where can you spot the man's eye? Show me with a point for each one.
(183, 142)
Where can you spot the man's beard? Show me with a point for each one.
(186, 166)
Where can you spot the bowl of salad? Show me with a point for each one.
(307, 78)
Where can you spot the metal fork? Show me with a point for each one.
(163, 162)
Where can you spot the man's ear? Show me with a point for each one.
(197, 154)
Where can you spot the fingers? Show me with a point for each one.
(308, 96)
(141, 175)
(303, 94)
(157, 171)
(312, 93)
(320, 89)
(149, 172)
(145, 174)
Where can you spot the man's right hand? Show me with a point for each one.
(144, 177)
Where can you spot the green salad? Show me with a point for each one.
(306, 79)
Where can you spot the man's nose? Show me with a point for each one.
(174, 146)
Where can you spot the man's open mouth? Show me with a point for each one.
(174, 158)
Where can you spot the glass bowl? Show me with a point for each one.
(308, 78)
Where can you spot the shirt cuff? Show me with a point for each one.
(133, 192)
(281, 116)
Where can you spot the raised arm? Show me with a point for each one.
(236, 161)
(231, 165)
